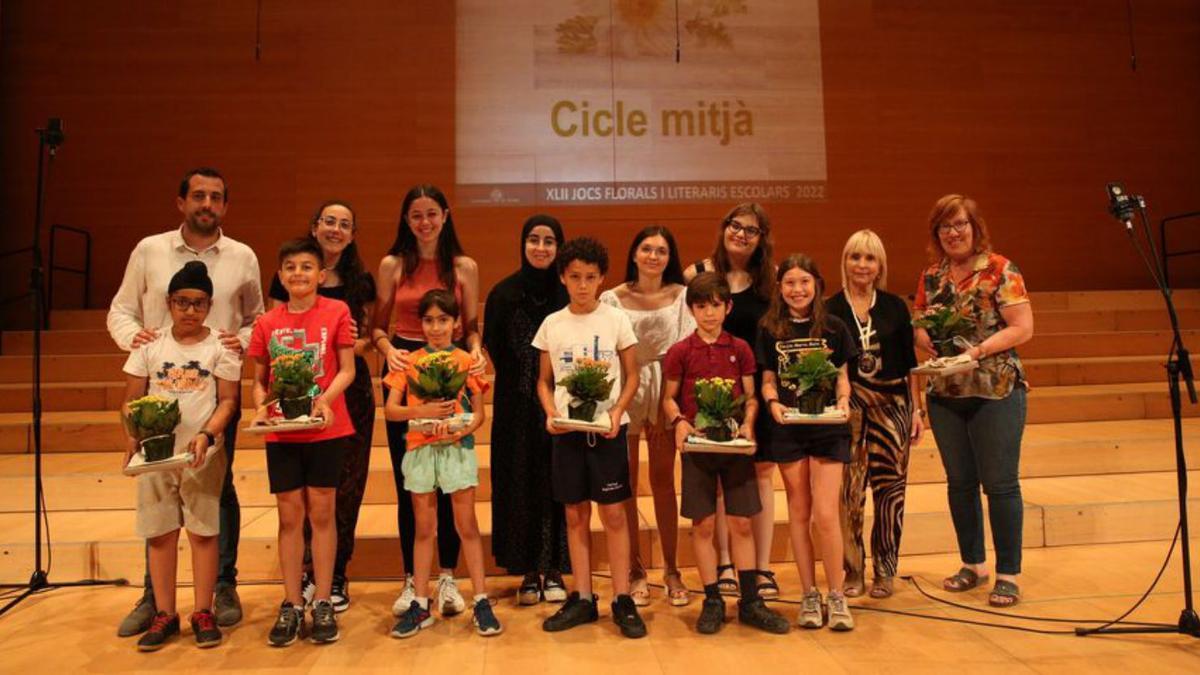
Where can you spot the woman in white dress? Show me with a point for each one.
(653, 297)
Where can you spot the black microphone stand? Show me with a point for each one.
(1179, 367)
(48, 138)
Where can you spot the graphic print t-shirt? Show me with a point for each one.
(317, 334)
(775, 355)
(598, 335)
(186, 373)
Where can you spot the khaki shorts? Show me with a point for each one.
(188, 498)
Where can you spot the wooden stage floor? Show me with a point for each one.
(73, 630)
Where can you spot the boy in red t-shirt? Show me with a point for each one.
(304, 467)
(440, 458)
(712, 352)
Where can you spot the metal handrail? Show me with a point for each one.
(1162, 237)
(87, 264)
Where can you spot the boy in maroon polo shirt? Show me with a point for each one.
(712, 352)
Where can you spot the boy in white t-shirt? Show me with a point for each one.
(590, 466)
(188, 364)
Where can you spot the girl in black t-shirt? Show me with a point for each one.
(810, 457)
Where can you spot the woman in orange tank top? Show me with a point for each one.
(425, 255)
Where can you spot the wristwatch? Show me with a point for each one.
(678, 418)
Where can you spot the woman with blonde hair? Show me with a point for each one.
(885, 415)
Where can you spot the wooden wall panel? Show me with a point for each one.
(1031, 107)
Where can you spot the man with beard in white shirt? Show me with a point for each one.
(139, 314)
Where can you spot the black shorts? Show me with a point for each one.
(291, 466)
(579, 473)
(701, 472)
(791, 443)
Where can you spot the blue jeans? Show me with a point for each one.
(980, 443)
(231, 517)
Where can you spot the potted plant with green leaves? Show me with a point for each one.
(293, 384)
(718, 411)
(808, 382)
(948, 328)
(151, 420)
(588, 384)
(436, 377)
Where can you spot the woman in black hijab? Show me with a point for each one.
(528, 527)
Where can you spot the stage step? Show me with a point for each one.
(1059, 512)
(78, 481)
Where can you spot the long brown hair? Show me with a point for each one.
(777, 320)
(760, 267)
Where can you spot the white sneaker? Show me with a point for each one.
(406, 597)
(449, 600)
(308, 590)
(839, 613)
(811, 614)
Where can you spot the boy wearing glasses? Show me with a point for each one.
(139, 314)
(188, 364)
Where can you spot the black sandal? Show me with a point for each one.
(768, 589)
(727, 585)
(963, 580)
(1004, 594)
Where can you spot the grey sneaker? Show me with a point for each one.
(227, 605)
(811, 615)
(839, 613)
(139, 618)
(324, 625)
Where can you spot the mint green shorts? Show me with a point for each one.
(450, 467)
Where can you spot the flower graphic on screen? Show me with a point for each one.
(647, 27)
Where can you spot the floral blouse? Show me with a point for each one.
(994, 283)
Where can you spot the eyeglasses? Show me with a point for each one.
(959, 226)
(183, 304)
(330, 221)
(749, 230)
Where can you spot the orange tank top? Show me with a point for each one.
(408, 297)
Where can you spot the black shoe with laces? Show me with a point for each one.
(324, 625)
(288, 626)
(625, 615)
(530, 592)
(340, 594)
(756, 613)
(575, 612)
(205, 630)
(712, 616)
(553, 588)
(162, 628)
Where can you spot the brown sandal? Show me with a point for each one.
(853, 587)
(882, 587)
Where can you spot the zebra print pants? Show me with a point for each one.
(881, 425)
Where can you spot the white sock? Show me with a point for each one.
(480, 597)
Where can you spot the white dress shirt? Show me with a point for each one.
(141, 302)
